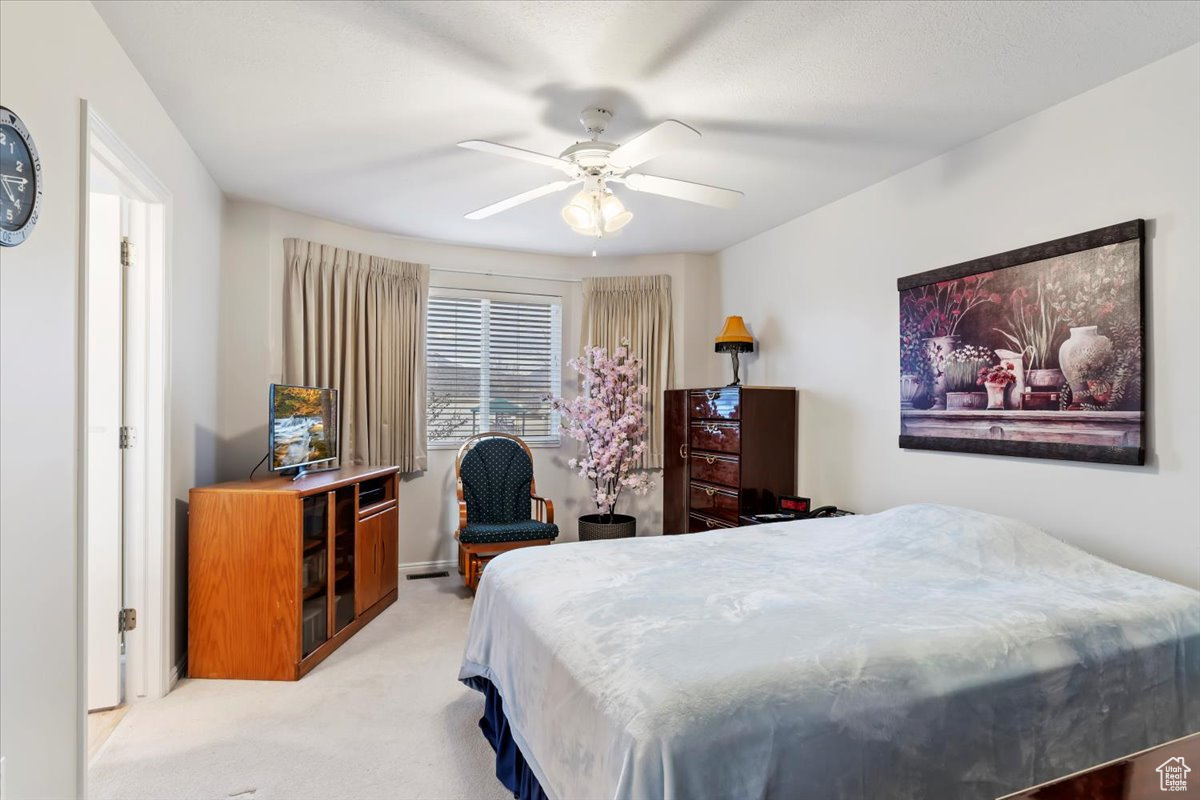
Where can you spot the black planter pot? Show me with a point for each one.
(598, 526)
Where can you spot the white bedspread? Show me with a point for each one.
(924, 652)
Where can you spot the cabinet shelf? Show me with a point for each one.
(313, 544)
(314, 589)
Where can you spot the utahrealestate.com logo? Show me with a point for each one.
(1172, 775)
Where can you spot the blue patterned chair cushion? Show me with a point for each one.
(496, 475)
(524, 531)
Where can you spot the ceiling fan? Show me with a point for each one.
(596, 211)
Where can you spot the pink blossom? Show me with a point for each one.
(609, 417)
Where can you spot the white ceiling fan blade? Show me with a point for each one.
(662, 137)
(683, 190)
(518, 153)
(523, 197)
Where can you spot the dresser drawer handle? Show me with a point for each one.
(683, 451)
(713, 429)
(711, 459)
(708, 490)
(711, 395)
(709, 523)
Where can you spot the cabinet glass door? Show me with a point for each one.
(314, 573)
(344, 549)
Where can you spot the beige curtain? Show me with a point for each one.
(357, 323)
(637, 308)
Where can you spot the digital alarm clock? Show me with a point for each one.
(795, 505)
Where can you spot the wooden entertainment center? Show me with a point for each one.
(282, 572)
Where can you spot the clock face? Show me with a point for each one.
(20, 180)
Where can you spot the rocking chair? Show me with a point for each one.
(494, 477)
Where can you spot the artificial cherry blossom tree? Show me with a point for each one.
(608, 416)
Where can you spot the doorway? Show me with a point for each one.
(123, 466)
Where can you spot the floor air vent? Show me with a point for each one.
(416, 576)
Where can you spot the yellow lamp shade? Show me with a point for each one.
(735, 332)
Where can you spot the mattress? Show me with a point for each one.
(923, 652)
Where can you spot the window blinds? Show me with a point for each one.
(492, 364)
(453, 364)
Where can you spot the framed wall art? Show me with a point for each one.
(1037, 352)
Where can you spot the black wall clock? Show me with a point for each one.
(20, 180)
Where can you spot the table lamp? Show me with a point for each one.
(734, 339)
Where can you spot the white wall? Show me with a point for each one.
(252, 350)
(820, 293)
(52, 55)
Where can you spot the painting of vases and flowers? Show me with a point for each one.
(1034, 352)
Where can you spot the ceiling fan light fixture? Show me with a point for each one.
(614, 213)
(593, 231)
(579, 212)
(611, 205)
(614, 224)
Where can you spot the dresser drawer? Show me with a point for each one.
(698, 523)
(715, 403)
(713, 501)
(721, 437)
(714, 468)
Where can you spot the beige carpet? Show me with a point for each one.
(383, 717)
(100, 725)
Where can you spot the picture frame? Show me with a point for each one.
(1037, 352)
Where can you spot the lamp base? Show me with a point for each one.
(733, 354)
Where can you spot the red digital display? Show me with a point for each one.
(796, 504)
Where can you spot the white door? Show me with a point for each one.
(133, 518)
(105, 343)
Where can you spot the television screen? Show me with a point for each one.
(304, 425)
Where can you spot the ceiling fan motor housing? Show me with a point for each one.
(592, 155)
(595, 121)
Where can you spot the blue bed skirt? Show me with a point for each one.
(511, 767)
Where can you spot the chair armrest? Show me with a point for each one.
(462, 503)
(544, 509)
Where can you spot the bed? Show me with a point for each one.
(923, 652)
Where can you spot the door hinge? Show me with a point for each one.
(128, 437)
(126, 620)
(125, 251)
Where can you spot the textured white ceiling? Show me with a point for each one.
(351, 110)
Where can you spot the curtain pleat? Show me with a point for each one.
(357, 323)
(637, 309)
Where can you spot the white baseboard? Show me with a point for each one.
(427, 566)
(177, 672)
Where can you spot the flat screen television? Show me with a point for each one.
(303, 426)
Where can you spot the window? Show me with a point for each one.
(492, 363)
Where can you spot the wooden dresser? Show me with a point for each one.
(282, 572)
(729, 451)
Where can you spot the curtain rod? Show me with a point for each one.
(506, 275)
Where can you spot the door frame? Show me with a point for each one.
(149, 553)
